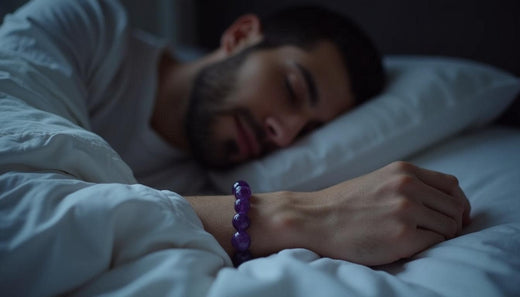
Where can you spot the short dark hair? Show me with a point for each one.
(305, 26)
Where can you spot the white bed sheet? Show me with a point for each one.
(70, 224)
(484, 261)
(77, 226)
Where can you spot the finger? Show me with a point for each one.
(425, 239)
(433, 200)
(439, 201)
(448, 184)
(442, 203)
(466, 218)
(429, 219)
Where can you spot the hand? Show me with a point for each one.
(381, 217)
(389, 214)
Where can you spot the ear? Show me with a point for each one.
(245, 31)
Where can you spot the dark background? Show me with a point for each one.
(486, 31)
(483, 30)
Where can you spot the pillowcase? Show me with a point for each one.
(427, 99)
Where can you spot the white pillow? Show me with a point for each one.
(426, 100)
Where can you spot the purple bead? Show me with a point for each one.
(241, 241)
(242, 205)
(241, 257)
(242, 192)
(241, 221)
(239, 183)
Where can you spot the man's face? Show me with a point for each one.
(250, 104)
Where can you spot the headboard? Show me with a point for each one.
(481, 30)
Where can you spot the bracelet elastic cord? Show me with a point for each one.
(241, 240)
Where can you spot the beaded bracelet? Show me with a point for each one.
(241, 240)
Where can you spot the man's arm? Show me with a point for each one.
(60, 54)
(375, 219)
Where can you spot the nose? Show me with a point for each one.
(283, 130)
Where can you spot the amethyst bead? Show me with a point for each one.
(242, 205)
(237, 184)
(242, 192)
(241, 241)
(241, 221)
(241, 257)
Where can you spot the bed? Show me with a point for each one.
(75, 221)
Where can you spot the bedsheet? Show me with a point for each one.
(484, 261)
(82, 226)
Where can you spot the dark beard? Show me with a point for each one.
(212, 85)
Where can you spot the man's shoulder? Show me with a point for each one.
(74, 12)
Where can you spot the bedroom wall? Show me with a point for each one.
(483, 30)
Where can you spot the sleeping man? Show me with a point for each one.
(270, 82)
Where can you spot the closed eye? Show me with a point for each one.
(311, 84)
(290, 91)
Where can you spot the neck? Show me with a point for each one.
(173, 95)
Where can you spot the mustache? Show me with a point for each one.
(256, 127)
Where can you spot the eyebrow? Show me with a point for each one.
(311, 84)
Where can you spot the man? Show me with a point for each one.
(258, 92)
(219, 109)
(309, 63)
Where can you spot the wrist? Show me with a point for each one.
(278, 222)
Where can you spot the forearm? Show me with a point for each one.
(389, 214)
(272, 217)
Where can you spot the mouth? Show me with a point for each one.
(248, 144)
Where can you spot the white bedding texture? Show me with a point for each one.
(484, 261)
(74, 221)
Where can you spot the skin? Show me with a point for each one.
(387, 215)
(384, 216)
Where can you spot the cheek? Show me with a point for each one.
(261, 98)
(258, 85)
(223, 132)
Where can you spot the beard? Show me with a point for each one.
(212, 86)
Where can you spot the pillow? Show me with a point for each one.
(427, 99)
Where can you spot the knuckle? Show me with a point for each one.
(402, 183)
(452, 181)
(402, 230)
(401, 166)
(403, 205)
